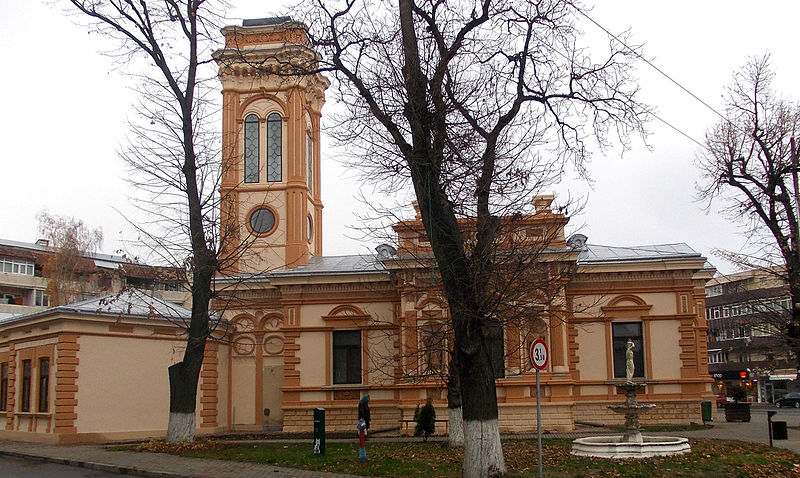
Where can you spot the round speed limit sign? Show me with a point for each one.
(539, 354)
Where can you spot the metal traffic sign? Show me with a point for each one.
(539, 357)
(539, 354)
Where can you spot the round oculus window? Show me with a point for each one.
(262, 221)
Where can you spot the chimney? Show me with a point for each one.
(542, 203)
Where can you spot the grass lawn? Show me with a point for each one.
(709, 458)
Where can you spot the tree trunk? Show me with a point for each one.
(182, 403)
(483, 453)
(456, 423)
(185, 375)
(455, 413)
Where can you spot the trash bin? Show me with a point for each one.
(705, 409)
(319, 431)
(779, 431)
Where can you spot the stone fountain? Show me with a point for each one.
(632, 444)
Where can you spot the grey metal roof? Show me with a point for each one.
(320, 265)
(593, 253)
(257, 22)
(132, 303)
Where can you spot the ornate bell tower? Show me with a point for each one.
(271, 207)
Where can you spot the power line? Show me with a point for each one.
(667, 123)
(636, 53)
(686, 135)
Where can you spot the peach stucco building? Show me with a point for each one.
(310, 331)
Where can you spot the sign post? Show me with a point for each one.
(539, 361)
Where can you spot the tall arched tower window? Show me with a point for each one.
(251, 148)
(274, 148)
(310, 163)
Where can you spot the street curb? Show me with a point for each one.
(122, 470)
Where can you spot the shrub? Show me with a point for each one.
(738, 393)
(426, 420)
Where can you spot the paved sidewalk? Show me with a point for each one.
(161, 465)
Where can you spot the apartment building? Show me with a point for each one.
(746, 345)
(23, 285)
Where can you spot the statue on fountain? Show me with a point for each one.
(631, 408)
(630, 368)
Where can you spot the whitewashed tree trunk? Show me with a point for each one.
(456, 425)
(181, 427)
(483, 453)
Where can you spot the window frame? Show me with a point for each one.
(352, 376)
(274, 224)
(43, 395)
(433, 338)
(25, 388)
(257, 157)
(4, 386)
(618, 349)
(274, 119)
(9, 264)
(310, 163)
(41, 298)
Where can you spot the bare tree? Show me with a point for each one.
(750, 162)
(69, 241)
(173, 155)
(532, 264)
(477, 106)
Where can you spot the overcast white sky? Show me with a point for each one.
(63, 110)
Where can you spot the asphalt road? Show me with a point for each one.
(16, 468)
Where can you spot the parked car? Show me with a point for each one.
(722, 400)
(789, 400)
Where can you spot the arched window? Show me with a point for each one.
(310, 163)
(274, 147)
(251, 149)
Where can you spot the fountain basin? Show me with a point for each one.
(613, 446)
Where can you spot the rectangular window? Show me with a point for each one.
(716, 312)
(44, 384)
(4, 386)
(725, 312)
(25, 403)
(622, 331)
(717, 356)
(16, 266)
(41, 298)
(347, 356)
(434, 347)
